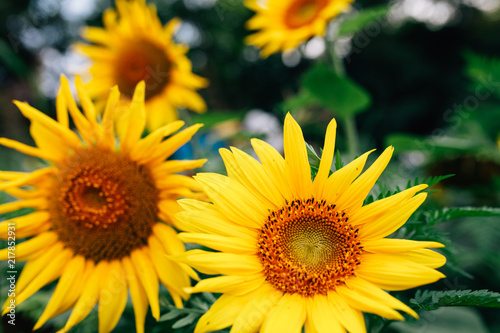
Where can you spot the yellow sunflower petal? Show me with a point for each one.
(138, 295)
(48, 274)
(112, 297)
(149, 280)
(221, 243)
(395, 274)
(222, 313)
(346, 315)
(168, 272)
(361, 292)
(233, 199)
(288, 315)
(33, 245)
(274, 165)
(320, 314)
(88, 298)
(209, 221)
(22, 223)
(297, 169)
(390, 222)
(391, 245)
(354, 196)
(252, 315)
(340, 180)
(255, 177)
(220, 263)
(136, 119)
(326, 159)
(232, 284)
(74, 269)
(108, 119)
(33, 268)
(58, 128)
(376, 209)
(28, 150)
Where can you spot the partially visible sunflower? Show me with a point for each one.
(134, 46)
(296, 251)
(102, 209)
(284, 24)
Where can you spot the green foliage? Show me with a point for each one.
(340, 95)
(484, 72)
(436, 145)
(437, 216)
(432, 300)
(355, 23)
(187, 317)
(339, 164)
(314, 160)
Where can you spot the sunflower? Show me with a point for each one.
(296, 251)
(134, 46)
(98, 210)
(284, 24)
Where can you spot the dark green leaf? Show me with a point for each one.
(448, 214)
(314, 160)
(301, 100)
(370, 16)
(171, 315)
(339, 94)
(432, 300)
(338, 161)
(185, 321)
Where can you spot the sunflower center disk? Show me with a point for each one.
(308, 247)
(303, 12)
(104, 205)
(142, 61)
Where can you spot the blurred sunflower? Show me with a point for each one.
(296, 251)
(284, 24)
(98, 207)
(134, 46)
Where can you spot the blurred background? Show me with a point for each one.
(430, 67)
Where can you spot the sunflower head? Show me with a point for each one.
(283, 25)
(297, 251)
(103, 209)
(133, 46)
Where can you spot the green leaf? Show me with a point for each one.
(338, 161)
(185, 321)
(429, 181)
(484, 71)
(432, 300)
(339, 94)
(174, 313)
(314, 160)
(301, 100)
(355, 23)
(12, 61)
(216, 117)
(434, 217)
(433, 144)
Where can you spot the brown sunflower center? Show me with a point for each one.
(302, 12)
(142, 61)
(103, 205)
(308, 247)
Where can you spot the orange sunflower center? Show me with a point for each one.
(308, 247)
(103, 205)
(303, 12)
(142, 61)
